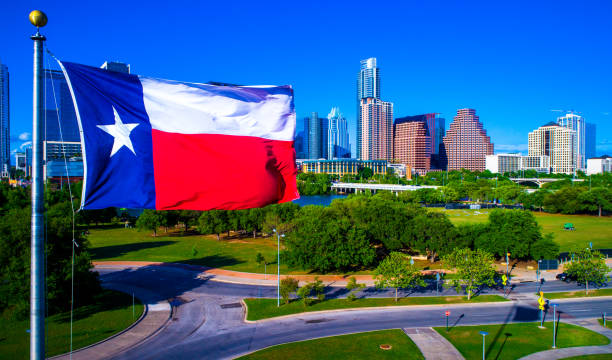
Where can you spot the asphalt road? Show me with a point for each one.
(208, 320)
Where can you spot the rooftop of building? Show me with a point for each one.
(551, 123)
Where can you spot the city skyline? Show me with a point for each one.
(517, 71)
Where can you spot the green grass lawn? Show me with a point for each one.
(512, 341)
(258, 309)
(588, 228)
(580, 293)
(591, 357)
(354, 346)
(111, 313)
(608, 322)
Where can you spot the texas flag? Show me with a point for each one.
(161, 144)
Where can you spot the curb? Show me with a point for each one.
(145, 311)
(369, 308)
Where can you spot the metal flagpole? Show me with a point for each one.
(37, 267)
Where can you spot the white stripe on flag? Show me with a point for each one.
(188, 108)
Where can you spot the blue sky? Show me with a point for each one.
(512, 61)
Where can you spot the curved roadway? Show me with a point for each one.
(208, 321)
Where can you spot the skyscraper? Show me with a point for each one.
(368, 86)
(376, 129)
(466, 142)
(5, 122)
(337, 135)
(590, 141)
(314, 136)
(585, 137)
(557, 142)
(412, 142)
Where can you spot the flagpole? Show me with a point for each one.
(37, 268)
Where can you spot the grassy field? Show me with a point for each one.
(231, 254)
(258, 309)
(576, 294)
(588, 228)
(111, 313)
(354, 346)
(512, 341)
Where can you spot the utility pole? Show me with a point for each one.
(37, 266)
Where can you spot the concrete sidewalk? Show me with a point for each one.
(433, 345)
(593, 325)
(155, 316)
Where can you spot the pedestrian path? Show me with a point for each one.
(592, 324)
(156, 315)
(433, 345)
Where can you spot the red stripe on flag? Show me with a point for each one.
(208, 171)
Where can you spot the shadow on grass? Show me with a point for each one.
(213, 261)
(105, 301)
(112, 251)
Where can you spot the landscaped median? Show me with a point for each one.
(513, 341)
(354, 346)
(578, 293)
(111, 313)
(258, 309)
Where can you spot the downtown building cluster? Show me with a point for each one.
(562, 147)
(409, 144)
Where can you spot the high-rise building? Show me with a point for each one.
(505, 163)
(116, 66)
(368, 86)
(314, 136)
(590, 141)
(466, 143)
(323, 142)
(337, 136)
(376, 129)
(5, 122)
(412, 142)
(557, 142)
(23, 161)
(585, 137)
(599, 165)
(417, 140)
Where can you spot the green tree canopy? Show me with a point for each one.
(396, 271)
(474, 269)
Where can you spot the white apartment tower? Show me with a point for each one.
(557, 142)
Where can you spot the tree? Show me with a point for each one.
(588, 266)
(511, 231)
(395, 271)
(287, 286)
(353, 286)
(474, 269)
(597, 199)
(545, 248)
(365, 173)
(149, 220)
(315, 288)
(433, 233)
(260, 259)
(213, 222)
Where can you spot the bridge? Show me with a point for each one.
(373, 188)
(539, 181)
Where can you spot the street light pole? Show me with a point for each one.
(484, 334)
(554, 325)
(278, 236)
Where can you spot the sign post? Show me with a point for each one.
(541, 304)
(484, 334)
(447, 313)
(554, 325)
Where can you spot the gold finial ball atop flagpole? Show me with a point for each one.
(38, 18)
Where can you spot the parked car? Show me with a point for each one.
(565, 277)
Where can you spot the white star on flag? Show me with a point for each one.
(121, 133)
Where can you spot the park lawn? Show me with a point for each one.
(591, 357)
(111, 313)
(258, 309)
(597, 230)
(233, 254)
(608, 322)
(578, 293)
(353, 346)
(513, 341)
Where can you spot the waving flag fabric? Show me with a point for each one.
(161, 144)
